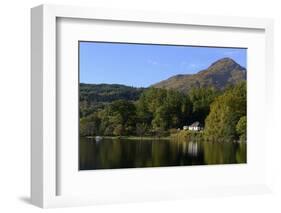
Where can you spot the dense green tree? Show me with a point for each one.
(121, 115)
(163, 109)
(143, 114)
(225, 112)
(90, 125)
(241, 128)
(201, 98)
(141, 128)
(118, 130)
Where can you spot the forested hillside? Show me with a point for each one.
(95, 96)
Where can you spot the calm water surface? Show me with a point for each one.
(120, 153)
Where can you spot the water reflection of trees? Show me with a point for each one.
(241, 153)
(224, 153)
(109, 154)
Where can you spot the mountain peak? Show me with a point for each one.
(224, 62)
(219, 74)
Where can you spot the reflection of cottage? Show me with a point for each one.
(193, 149)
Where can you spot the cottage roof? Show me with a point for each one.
(195, 124)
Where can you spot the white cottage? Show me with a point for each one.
(195, 126)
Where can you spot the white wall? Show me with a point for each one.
(15, 98)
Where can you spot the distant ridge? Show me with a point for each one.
(218, 75)
(104, 93)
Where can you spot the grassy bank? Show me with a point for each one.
(186, 135)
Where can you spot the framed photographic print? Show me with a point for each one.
(187, 108)
(130, 106)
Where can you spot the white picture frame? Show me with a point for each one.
(44, 154)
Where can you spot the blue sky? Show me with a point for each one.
(143, 65)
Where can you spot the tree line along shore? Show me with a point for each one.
(162, 113)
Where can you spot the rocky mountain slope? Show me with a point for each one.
(220, 74)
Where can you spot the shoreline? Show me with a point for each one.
(132, 137)
(137, 138)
